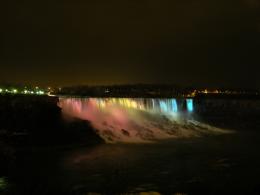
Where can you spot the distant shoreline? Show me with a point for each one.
(199, 96)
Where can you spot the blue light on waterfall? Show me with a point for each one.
(174, 105)
(189, 105)
(163, 106)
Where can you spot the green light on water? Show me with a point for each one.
(3, 183)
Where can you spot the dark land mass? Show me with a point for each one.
(39, 120)
(36, 122)
(151, 91)
(138, 90)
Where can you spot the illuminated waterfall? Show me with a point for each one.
(189, 105)
(166, 106)
(137, 119)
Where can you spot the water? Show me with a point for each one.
(138, 119)
(214, 165)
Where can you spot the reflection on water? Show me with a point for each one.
(191, 166)
(137, 119)
(122, 168)
(177, 166)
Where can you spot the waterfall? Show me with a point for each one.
(138, 119)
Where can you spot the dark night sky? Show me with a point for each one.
(186, 42)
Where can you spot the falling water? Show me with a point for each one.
(137, 119)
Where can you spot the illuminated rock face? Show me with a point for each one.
(137, 119)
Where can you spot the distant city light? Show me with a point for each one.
(40, 92)
(23, 90)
